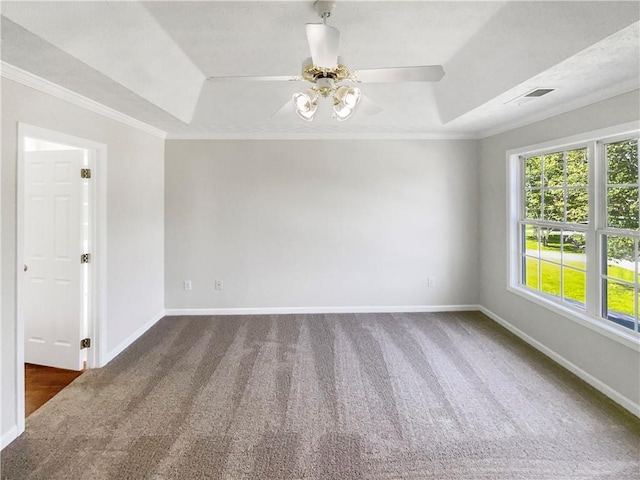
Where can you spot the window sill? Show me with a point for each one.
(629, 339)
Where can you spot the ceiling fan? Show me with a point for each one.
(331, 78)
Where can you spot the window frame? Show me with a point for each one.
(552, 224)
(604, 230)
(596, 228)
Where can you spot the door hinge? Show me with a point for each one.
(85, 173)
(85, 258)
(85, 343)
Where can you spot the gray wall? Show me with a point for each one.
(135, 230)
(321, 223)
(614, 364)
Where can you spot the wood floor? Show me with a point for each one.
(41, 384)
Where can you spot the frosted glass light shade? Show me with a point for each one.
(306, 103)
(349, 96)
(345, 101)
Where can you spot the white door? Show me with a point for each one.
(52, 273)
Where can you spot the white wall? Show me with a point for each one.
(609, 362)
(342, 223)
(135, 230)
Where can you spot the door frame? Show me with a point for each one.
(98, 234)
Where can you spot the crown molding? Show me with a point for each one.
(323, 136)
(11, 72)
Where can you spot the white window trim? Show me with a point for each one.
(589, 318)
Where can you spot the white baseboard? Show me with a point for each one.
(9, 436)
(301, 310)
(132, 338)
(587, 377)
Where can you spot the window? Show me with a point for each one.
(619, 269)
(554, 224)
(574, 228)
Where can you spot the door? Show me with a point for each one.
(52, 272)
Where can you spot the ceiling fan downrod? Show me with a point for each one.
(324, 9)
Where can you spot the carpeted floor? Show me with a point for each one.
(377, 396)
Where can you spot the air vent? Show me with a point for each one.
(538, 92)
(529, 96)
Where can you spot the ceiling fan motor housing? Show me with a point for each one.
(312, 73)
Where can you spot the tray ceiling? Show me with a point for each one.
(150, 60)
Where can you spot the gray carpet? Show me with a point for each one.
(378, 396)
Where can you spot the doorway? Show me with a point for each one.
(61, 202)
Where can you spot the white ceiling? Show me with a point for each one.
(150, 61)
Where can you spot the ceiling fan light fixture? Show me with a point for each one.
(345, 101)
(349, 96)
(342, 112)
(306, 103)
(307, 116)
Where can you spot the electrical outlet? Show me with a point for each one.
(431, 281)
(187, 284)
(218, 284)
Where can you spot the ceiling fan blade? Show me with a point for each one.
(368, 106)
(287, 110)
(256, 78)
(323, 44)
(425, 73)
